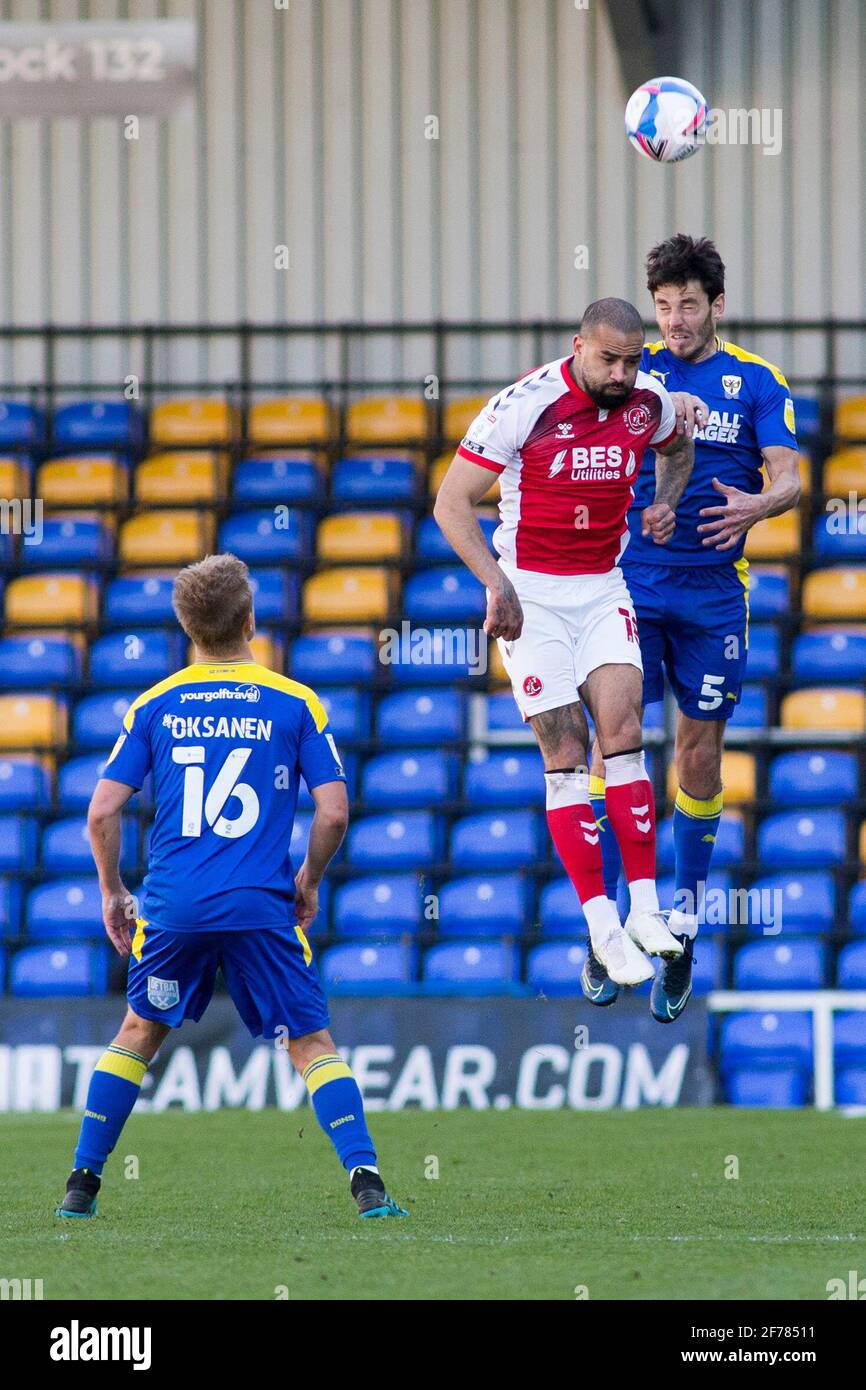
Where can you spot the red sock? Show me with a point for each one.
(574, 832)
(630, 804)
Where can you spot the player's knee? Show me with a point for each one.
(699, 768)
(305, 1049)
(142, 1035)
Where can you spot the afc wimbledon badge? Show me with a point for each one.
(731, 386)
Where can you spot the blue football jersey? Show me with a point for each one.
(226, 746)
(750, 409)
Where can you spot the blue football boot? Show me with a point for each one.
(673, 984)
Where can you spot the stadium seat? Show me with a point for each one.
(496, 840)
(66, 849)
(198, 421)
(439, 467)
(347, 537)
(503, 713)
(851, 966)
(20, 423)
(856, 905)
(32, 721)
(798, 964)
(709, 964)
(77, 778)
(764, 651)
(28, 662)
(762, 1040)
(43, 972)
(774, 538)
(844, 472)
(824, 708)
(484, 905)
(18, 843)
(278, 478)
(459, 414)
(25, 778)
(795, 903)
(431, 654)
(268, 650)
(835, 592)
(335, 657)
(836, 539)
(829, 656)
(849, 420)
(715, 903)
(10, 906)
(66, 907)
(752, 710)
(379, 969)
(190, 477)
(849, 1045)
(135, 659)
(813, 840)
(349, 713)
(179, 537)
(96, 477)
(729, 848)
(813, 778)
(776, 1088)
(140, 599)
(851, 1086)
(348, 593)
(473, 969)
(412, 778)
(276, 594)
(444, 595)
(261, 537)
(98, 425)
(388, 420)
(290, 420)
(97, 719)
(553, 969)
(70, 540)
(399, 840)
(387, 480)
(738, 778)
(559, 909)
(502, 777)
(383, 906)
(420, 716)
(769, 592)
(807, 416)
(431, 545)
(15, 475)
(51, 600)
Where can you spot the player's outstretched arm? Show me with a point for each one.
(326, 836)
(103, 827)
(674, 463)
(738, 511)
(464, 484)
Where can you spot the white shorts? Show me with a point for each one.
(572, 624)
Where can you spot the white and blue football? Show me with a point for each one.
(665, 119)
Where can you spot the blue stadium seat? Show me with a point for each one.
(838, 543)
(857, 907)
(333, 657)
(776, 1088)
(420, 716)
(369, 969)
(505, 777)
(66, 846)
(729, 847)
(802, 840)
(10, 906)
(849, 1039)
(807, 415)
(801, 902)
(813, 777)
(348, 711)
(275, 479)
(21, 424)
(851, 1086)
(412, 777)
(554, 968)
(559, 909)
(18, 841)
(256, 538)
(444, 595)
(36, 662)
(374, 480)
(382, 905)
(709, 963)
(65, 907)
(431, 545)
(300, 837)
(715, 903)
(496, 840)
(762, 1040)
(52, 971)
(97, 719)
(143, 599)
(829, 656)
(763, 657)
(69, 540)
(399, 840)
(752, 712)
(77, 778)
(24, 782)
(484, 905)
(503, 713)
(136, 659)
(769, 593)
(276, 594)
(447, 655)
(781, 965)
(97, 425)
(482, 968)
(851, 966)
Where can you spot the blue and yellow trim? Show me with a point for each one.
(742, 568)
(698, 808)
(201, 672)
(329, 1067)
(308, 950)
(139, 938)
(119, 1061)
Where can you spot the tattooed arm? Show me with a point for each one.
(674, 463)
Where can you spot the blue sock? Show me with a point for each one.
(696, 822)
(113, 1091)
(611, 859)
(336, 1099)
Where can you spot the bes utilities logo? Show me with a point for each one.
(598, 463)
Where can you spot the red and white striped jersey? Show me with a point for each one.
(567, 467)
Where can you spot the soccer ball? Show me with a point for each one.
(664, 119)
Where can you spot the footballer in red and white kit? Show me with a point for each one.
(567, 442)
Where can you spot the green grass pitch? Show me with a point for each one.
(527, 1205)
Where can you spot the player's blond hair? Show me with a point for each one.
(212, 600)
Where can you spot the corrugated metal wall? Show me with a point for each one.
(312, 131)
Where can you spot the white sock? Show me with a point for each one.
(602, 918)
(643, 894)
(367, 1167)
(683, 923)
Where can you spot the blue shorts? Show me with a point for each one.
(269, 973)
(693, 623)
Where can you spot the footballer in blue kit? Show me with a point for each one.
(692, 599)
(225, 742)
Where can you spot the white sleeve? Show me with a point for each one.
(490, 439)
(668, 423)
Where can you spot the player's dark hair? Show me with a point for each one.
(613, 313)
(212, 600)
(682, 258)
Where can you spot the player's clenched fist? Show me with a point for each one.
(306, 900)
(659, 522)
(504, 614)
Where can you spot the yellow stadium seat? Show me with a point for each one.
(805, 475)
(14, 479)
(353, 536)
(825, 708)
(198, 476)
(863, 843)
(850, 418)
(198, 421)
(738, 778)
(774, 538)
(291, 420)
(51, 600)
(32, 721)
(845, 471)
(439, 467)
(387, 420)
(838, 592)
(335, 595)
(495, 666)
(84, 478)
(460, 414)
(166, 538)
